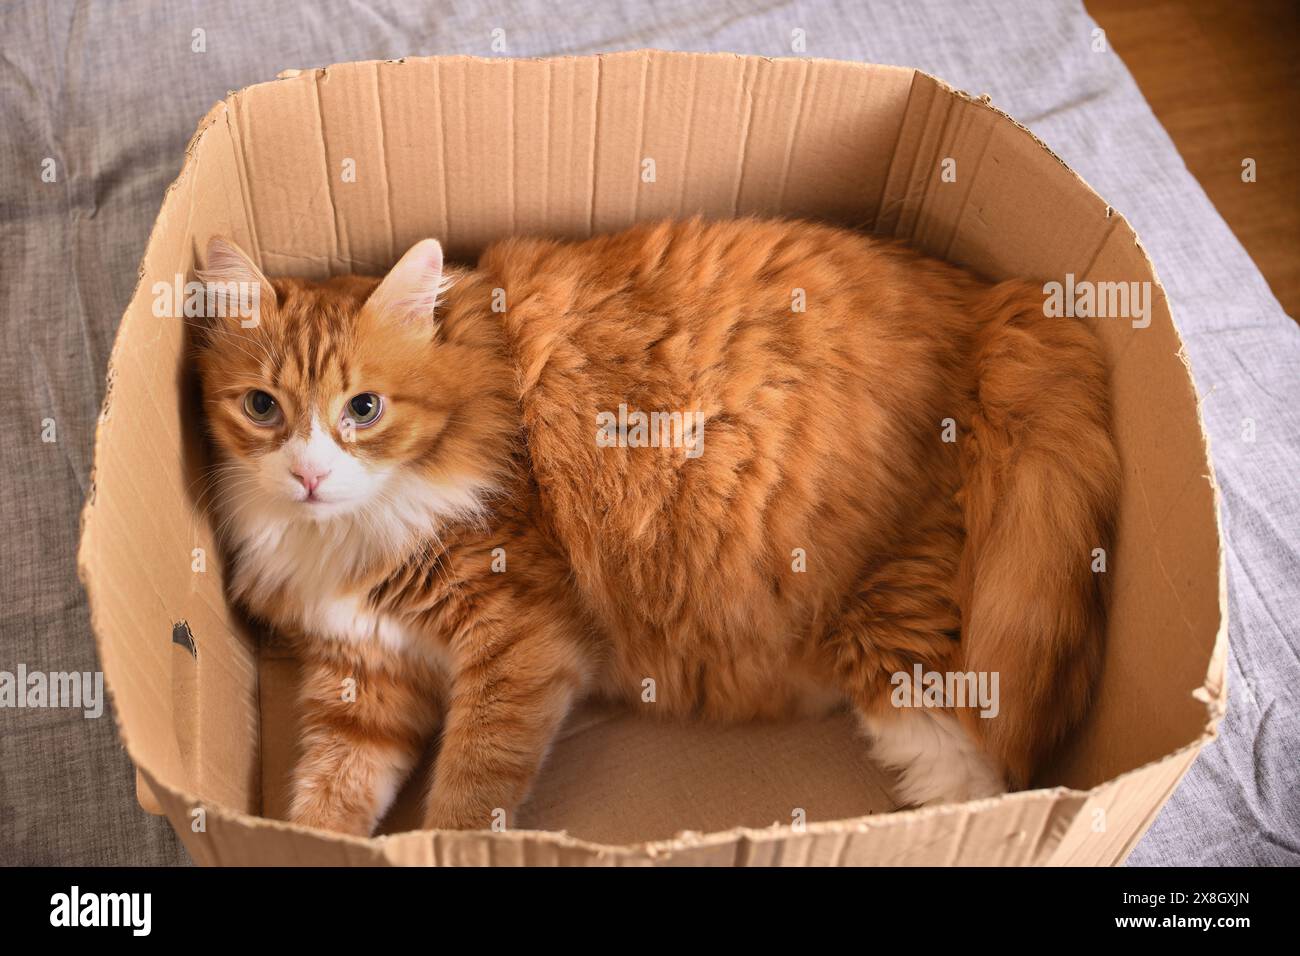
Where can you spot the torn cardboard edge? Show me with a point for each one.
(746, 844)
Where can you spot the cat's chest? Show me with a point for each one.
(350, 622)
(304, 586)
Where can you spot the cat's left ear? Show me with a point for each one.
(410, 291)
(231, 275)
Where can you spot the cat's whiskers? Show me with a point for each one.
(240, 484)
(233, 501)
(219, 479)
(213, 475)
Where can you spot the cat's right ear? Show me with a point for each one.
(410, 291)
(235, 286)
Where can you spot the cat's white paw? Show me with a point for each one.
(935, 760)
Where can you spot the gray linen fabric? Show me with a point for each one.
(112, 91)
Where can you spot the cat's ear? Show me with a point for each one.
(233, 279)
(410, 291)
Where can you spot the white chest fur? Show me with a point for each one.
(301, 572)
(296, 574)
(346, 620)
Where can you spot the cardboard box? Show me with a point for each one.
(469, 150)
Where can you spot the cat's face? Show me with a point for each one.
(309, 431)
(334, 399)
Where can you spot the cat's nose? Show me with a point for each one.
(309, 476)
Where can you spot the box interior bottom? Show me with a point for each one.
(616, 777)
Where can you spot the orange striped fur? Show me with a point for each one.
(474, 561)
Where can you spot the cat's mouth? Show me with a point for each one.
(315, 501)
(318, 507)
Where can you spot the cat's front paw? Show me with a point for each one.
(446, 814)
(315, 809)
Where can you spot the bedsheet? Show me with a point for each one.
(110, 92)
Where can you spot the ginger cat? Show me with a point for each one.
(467, 490)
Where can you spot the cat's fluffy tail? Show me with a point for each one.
(1040, 491)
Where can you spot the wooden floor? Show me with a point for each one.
(1224, 79)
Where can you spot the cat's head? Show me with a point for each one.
(348, 400)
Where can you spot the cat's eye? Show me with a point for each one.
(261, 408)
(363, 409)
